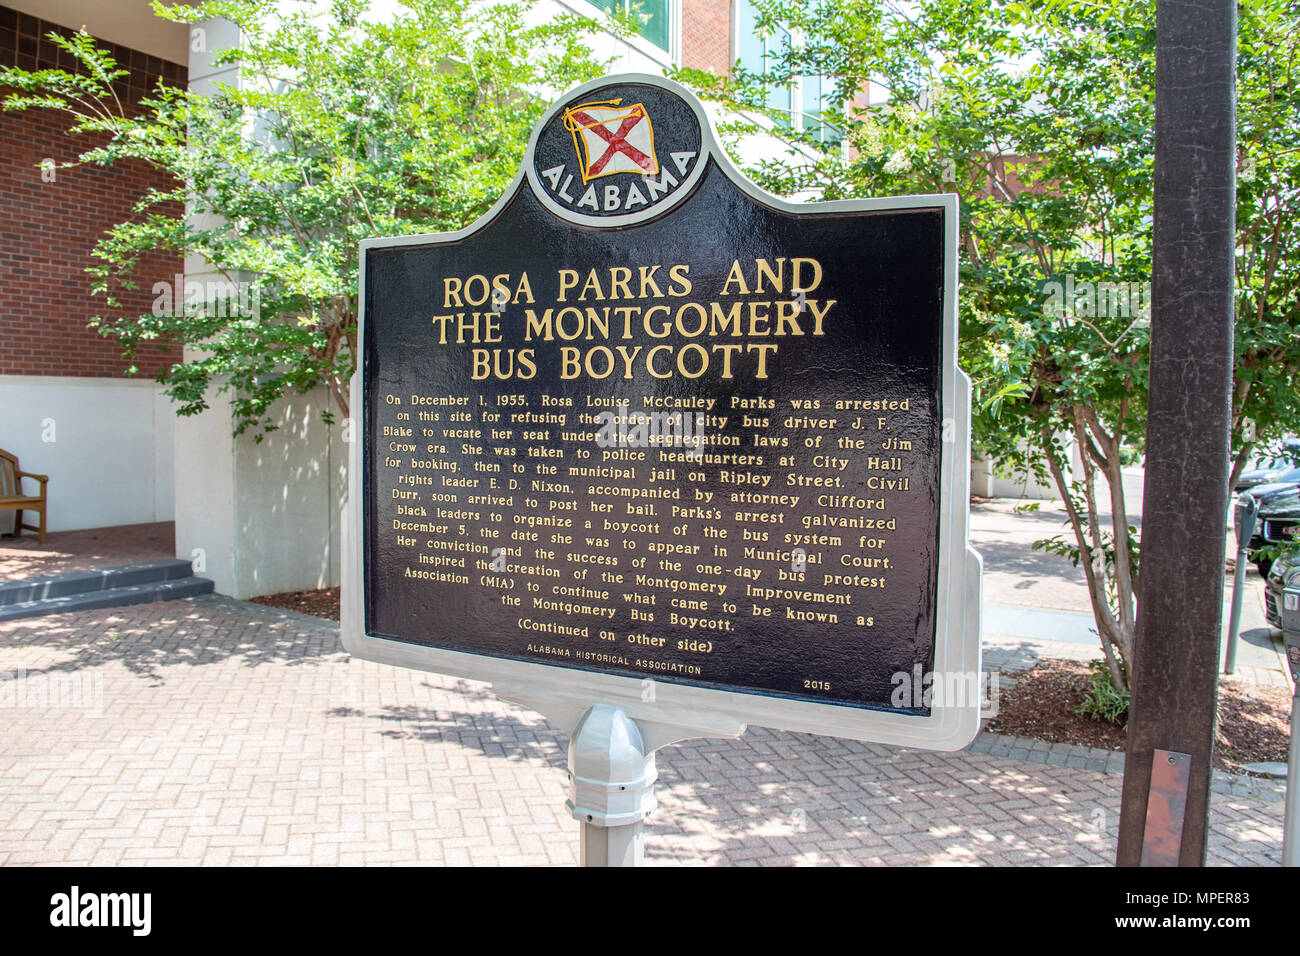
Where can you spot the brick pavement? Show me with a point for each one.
(26, 557)
(213, 731)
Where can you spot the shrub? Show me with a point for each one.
(1104, 701)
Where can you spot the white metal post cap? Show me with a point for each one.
(611, 772)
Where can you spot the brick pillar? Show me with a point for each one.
(706, 35)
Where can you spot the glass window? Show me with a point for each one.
(805, 99)
(759, 53)
(652, 15)
(819, 96)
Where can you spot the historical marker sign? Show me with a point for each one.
(647, 436)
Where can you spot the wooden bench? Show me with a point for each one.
(13, 499)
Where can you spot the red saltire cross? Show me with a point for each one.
(617, 142)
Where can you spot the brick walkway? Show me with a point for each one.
(62, 551)
(213, 731)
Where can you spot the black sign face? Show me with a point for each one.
(703, 448)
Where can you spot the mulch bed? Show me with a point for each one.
(1254, 721)
(323, 603)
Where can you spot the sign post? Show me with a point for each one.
(1291, 632)
(1180, 610)
(659, 455)
(1245, 512)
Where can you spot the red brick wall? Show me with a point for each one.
(706, 35)
(47, 230)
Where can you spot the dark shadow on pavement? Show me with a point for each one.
(144, 638)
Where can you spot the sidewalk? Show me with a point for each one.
(233, 733)
(64, 551)
(1038, 598)
(215, 731)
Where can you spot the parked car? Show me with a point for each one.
(1278, 515)
(1277, 576)
(1267, 468)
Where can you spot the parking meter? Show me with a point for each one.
(1291, 631)
(1244, 516)
(1243, 520)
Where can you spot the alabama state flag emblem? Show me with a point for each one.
(610, 138)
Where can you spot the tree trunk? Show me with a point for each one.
(1116, 634)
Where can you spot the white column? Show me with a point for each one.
(257, 517)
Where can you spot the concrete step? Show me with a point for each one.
(98, 579)
(166, 590)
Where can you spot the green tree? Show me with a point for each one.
(343, 126)
(1040, 116)
(1265, 403)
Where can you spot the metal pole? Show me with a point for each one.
(1244, 533)
(611, 786)
(613, 846)
(1180, 610)
(1291, 820)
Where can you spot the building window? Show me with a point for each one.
(653, 16)
(803, 102)
(759, 53)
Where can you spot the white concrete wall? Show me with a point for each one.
(994, 480)
(262, 517)
(256, 517)
(105, 443)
